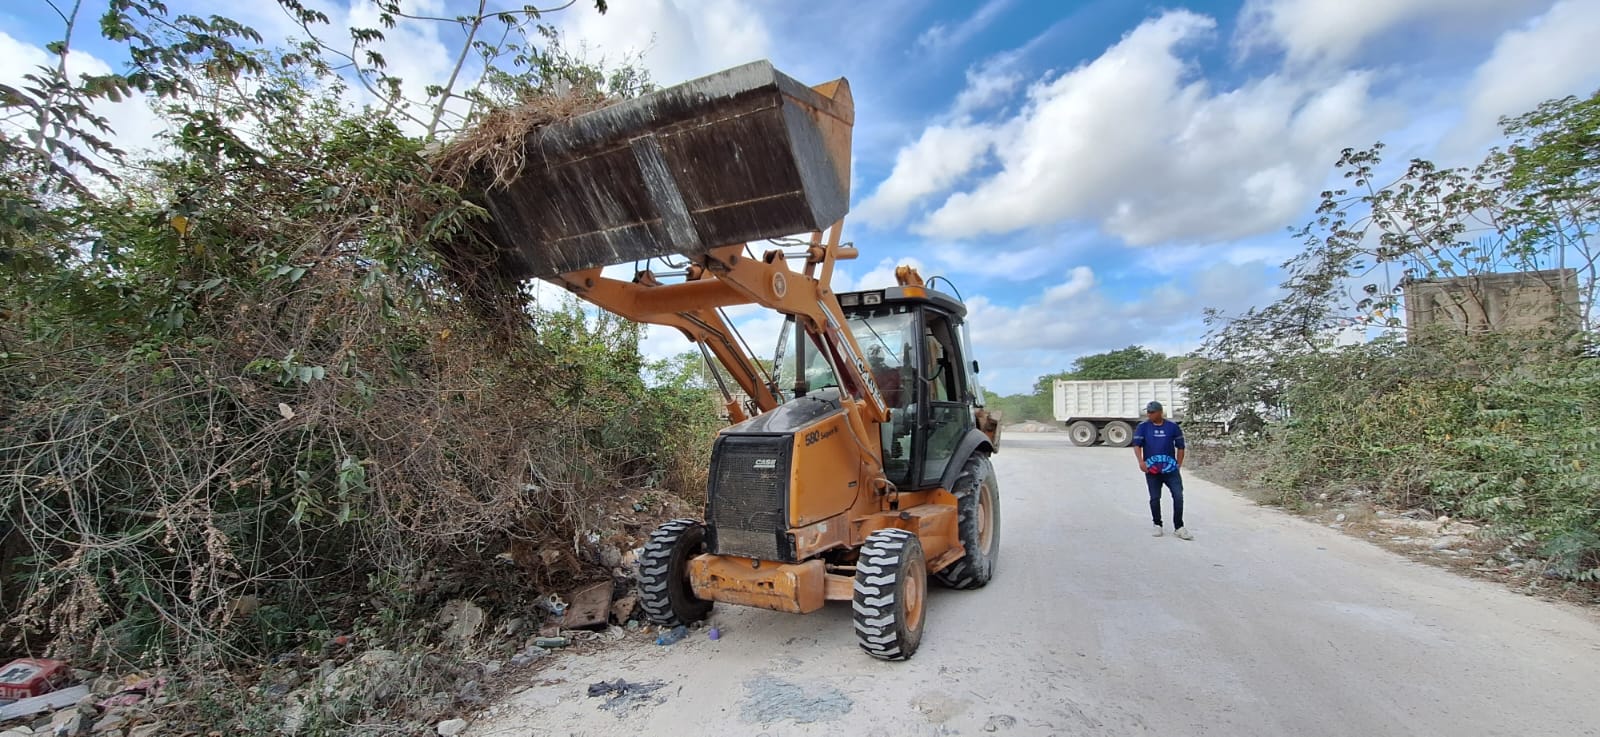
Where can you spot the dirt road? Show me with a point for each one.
(1264, 625)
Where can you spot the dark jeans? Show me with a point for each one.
(1174, 483)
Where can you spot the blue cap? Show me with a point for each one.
(1153, 407)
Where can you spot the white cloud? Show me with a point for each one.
(678, 39)
(943, 36)
(988, 83)
(1335, 30)
(1079, 281)
(933, 164)
(1018, 343)
(880, 276)
(1136, 143)
(134, 123)
(1551, 56)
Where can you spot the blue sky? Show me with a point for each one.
(1089, 174)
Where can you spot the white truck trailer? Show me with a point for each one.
(1095, 411)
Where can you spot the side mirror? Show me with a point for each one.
(974, 367)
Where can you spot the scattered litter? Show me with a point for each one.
(622, 609)
(999, 722)
(554, 605)
(1341, 517)
(28, 677)
(534, 652)
(550, 643)
(672, 637)
(769, 699)
(624, 695)
(135, 692)
(47, 702)
(714, 634)
(591, 607)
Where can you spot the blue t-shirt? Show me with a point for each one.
(1160, 442)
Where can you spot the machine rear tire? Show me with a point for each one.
(977, 493)
(1083, 433)
(1119, 434)
(890, 594)
(664, 590)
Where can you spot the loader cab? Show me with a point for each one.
(913, 341)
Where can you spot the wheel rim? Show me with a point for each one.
(1116, 435)
(1080, 434)
(985, 524)
(913, 591)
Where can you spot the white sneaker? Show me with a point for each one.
(1183, 534)
(1158, 533)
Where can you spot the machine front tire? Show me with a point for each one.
(978, 522)
(1083, 433)
(664, 590)
(1119, 434)
(890, 594)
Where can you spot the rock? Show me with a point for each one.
(512, 627)
(1341, 517)
(1446, 542)
(70, 723)
(463, 619)
(294, 713)
(109, 722)
(17, 732)
(147, 730)
(610, 556)
(372, 674)
(470, 693)
(451, 727)
(492, 667)
(1443, 518)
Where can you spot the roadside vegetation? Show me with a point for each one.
(247, 410)
(1500, 427)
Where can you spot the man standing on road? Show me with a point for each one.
(1158, 444)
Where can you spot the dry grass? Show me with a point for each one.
(496, 149)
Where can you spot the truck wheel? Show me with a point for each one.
(978, 513)
(890, 597)
(1083, 433)
(664, 590)
(1119, 434)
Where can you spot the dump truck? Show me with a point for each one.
(859, 470)
(1107, 411)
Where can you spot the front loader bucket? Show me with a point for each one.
(742, 155)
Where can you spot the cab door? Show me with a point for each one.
(944, 389)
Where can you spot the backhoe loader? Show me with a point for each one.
(858, 469)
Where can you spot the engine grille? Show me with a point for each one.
(748, 495)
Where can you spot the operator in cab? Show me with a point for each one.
(1158, 445)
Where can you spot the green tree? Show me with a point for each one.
(1133, 362)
